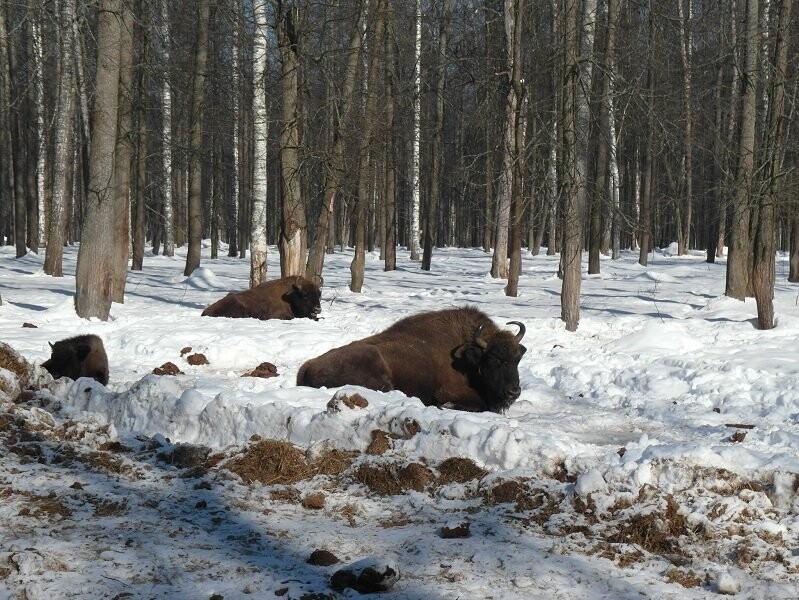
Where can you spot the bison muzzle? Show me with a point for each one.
(286, 298)
(80, 356)
(454, 358)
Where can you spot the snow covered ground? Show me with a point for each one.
(654, 453)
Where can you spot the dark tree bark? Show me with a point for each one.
(436, 152)
(195, 217)
(763, 267)
(572, 229)
(94, 275)
(390, 219)
(738, 261)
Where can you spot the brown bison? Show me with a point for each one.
(80, 356)
(287, 298)
(453, 358)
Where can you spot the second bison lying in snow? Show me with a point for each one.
(287, 298)
(453, 358)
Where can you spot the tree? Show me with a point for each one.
(514, 9)
(293, 227)
(431, 223)
(369, 121)
(123, 156)
(390, 235)
(764, 243)
(336, 168)
(415, 230)
(738, 261)
(196, 139)
(258, 245)
(572, 229)
(166, 131)
(94, 274)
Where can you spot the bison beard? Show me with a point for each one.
(453, 358)
(80, 356)
(287, 298)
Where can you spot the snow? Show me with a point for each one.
(628, 420)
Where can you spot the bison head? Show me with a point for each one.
(493, 365)
(304, 298)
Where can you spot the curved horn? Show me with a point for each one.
(522, 329)
(480, 342)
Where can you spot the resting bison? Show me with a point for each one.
(287, 298)
(80, 356)
(452, 358)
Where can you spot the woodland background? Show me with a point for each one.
(570, 125)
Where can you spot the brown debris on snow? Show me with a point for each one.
(459, 470)
(265, 370)
(168, 368)
(197, 359)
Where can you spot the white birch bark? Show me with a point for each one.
(258, 249)
(614, 179)
(166, 133)
(38, 82)
(417, 112)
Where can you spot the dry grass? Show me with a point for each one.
(459, 470)
(389, 479)
(271, 462)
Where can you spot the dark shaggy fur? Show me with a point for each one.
(452, 358)
(80, 356)
(287, 298)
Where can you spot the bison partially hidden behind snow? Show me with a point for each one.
(80, 356)
(287, 298)
(453, 358)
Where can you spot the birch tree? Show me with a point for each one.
(685, 207)
(258, 245)
(415, 231)
(166, 131)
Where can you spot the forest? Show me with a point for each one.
(571, 127)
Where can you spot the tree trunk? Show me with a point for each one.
(390, 219)
(6, 137)
(370, 117)
(738, 261)
(685, 206)
(514, 11)
(293, 229)
(335, 173)
(763, 269)
(647, 188)
(195, 206)
(601, 193)
(572, 229)
(166, 132)
(94, 275)
(123, 158)
(436, 158)
(258, 241)
(64, 149)
(415, 230)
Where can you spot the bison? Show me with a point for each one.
(454, 358)
(287, 298)
(80, 356)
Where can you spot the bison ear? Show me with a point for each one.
(470, 353)
(522, 350)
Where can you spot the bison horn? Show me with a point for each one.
(522, 329)
(480, 342)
